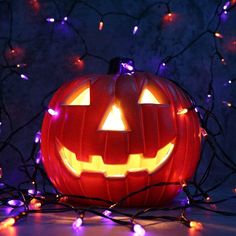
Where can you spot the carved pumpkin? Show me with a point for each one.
(115, 134)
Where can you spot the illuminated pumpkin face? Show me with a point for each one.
(116, 134)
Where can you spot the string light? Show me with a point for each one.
(208, 198)
(37, 137)
(78, 222)
(196, 225)
(35, 204)
(7, 223)
(64, 20)
(11, 220)
(226, 6)
(50, 20)
(20, 65)
(135, 29)
(52, 112)
(218, 35)
(204, 132)
(38, 157)
(138, 229)
(24, 77)
(15, 203)
(101, 25)
(107, 213)
(228, 104)
(182, 111)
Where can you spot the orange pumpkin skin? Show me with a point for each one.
(151, 127)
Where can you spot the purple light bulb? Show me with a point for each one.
(135, 29)
(77, 223)
(138, 229)
(50, 20)
(24, 77)
(52, 112)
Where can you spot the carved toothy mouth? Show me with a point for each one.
(135, 163)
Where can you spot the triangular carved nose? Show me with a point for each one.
(114, 120)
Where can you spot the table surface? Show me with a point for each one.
(60, 224)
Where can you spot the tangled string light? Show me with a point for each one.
(37, 198)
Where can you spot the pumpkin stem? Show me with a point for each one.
(120, 65)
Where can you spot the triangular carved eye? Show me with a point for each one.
(80, 97)
(147, 97)
(152, 94)
(114, 120)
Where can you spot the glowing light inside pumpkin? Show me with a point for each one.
(82, 99)
(136, 162)
(147, 97)
(114, 121)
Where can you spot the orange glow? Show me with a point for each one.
(183, 184)
(7, 223)
(101, 24)
(231, 45)
(234, 190)
(35, 5)
(182, 111)
(147, 97)
(233, 2)
(136, 162)
(79, 97)
(15, 53)
(82, 99)
(169, 17)
(196, 225)
(114, 120)
(35, 204)
(79, 63)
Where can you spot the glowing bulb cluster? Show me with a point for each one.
(7, 223)
(35, 204)
(196, 225)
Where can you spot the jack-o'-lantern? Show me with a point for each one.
(114, 134)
